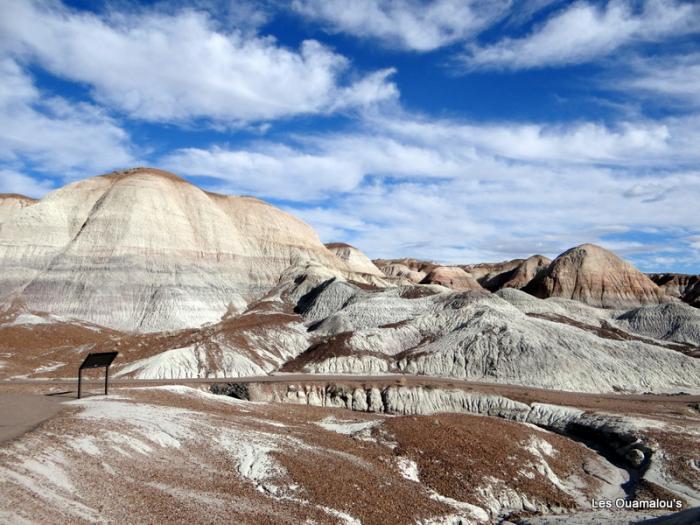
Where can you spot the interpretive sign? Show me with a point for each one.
(97, 360)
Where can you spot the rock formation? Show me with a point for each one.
(145, 250)
(595, 276)
(692, 297)
(316, 320)
(491, 276)
(359, 262)
(452, 277)
(405, 270)
(510, 274)
(486, 271)
(187, 283)
(397, 272)
(184, 284)
(684, 287)
(670, 322)
(515, 339)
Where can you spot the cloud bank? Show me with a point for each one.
(214, 97)
(175, 67)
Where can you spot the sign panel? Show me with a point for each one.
(98, 360)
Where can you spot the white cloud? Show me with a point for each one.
(175, 67)
(583, 31)
(53, 134)
(499, 211)
(460, 192)
(527, 9)
(407, 24)
(675, 78)
(15, 182)
(586, 142)
(395, 184)
(407, 148)
(274, 171)
(366, 91)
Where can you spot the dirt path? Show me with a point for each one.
(20, 413)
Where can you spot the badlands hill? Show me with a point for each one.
(507, 337)
(186, 283)
(143, 250)
(683, 287)
(510, 274)
(452, 277)
(401, 270)
(516, 273)
(354, 257)
(317, 321)
(597, 277)
(587, 273)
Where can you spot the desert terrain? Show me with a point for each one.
(264, 377)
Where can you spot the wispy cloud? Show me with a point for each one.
(405, 24)
(53, 134)
(392, 181)
(673, 79)
(624, 143)
(15, 182)
(585, 31)
(457, 191)
(270, 170)
(174, 67)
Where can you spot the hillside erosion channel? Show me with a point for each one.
(624, 440)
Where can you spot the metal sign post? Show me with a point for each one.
(98, 360)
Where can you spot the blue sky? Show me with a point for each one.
(457, 131)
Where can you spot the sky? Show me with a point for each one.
(458, 131)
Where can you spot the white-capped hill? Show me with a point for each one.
(144, 250)
(359, 261)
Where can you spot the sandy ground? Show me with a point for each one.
(173, 453)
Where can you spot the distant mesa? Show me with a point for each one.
(490, 276)
(400, 272)
(595, 276)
